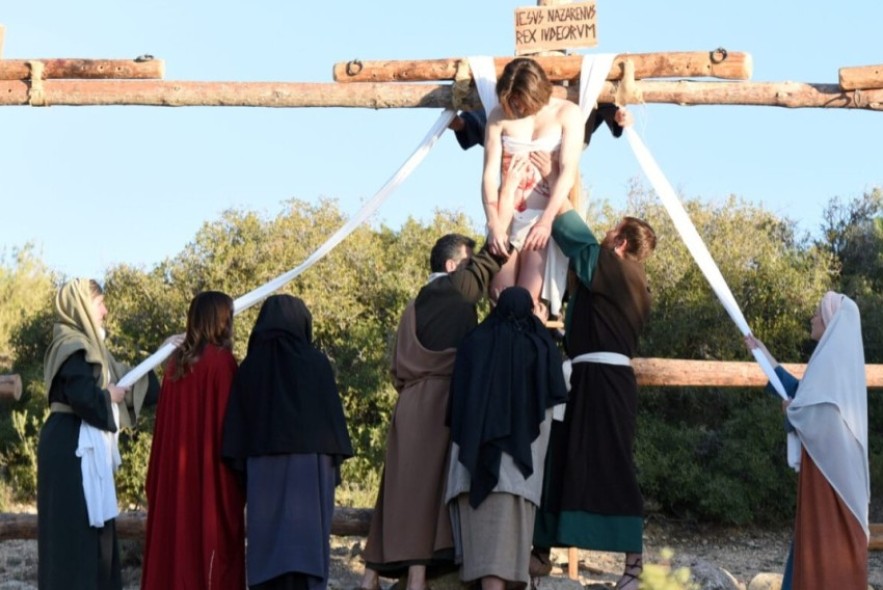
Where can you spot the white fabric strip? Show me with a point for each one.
(697, 248)
(368, 209)
(593, 74)
(484, 72)
(99, 458)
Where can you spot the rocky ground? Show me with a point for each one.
(742, 553)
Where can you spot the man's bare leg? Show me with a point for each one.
(531, 271)
(493, 583)
(417, 577)
(506, 277)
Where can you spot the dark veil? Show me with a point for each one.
(507, 374)
(284, 398)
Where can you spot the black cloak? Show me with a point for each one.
(284, 398)
(507, 374)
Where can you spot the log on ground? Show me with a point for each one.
(875, 543)
(346, 522)
(133, 525)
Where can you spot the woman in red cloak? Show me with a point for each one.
(195, 521)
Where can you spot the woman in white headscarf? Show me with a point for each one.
(829, 416)
(77, 453)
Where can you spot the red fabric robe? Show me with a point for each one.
(195, 522)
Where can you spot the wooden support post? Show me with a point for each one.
(861, 77)
(20, 69)
(735, 66)
(10, 387)
(434, 96)
(573, 563)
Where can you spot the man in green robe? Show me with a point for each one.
(591, 497)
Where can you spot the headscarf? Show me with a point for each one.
(507, 374)
(829, 306)
(75, 329)
(830, 411)
(284, 398)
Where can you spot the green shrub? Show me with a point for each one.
(722, 461)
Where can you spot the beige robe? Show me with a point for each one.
(411, 522)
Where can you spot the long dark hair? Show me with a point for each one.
(209, 321)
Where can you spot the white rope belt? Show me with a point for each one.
(367, 210)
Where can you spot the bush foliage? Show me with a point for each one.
(711, 454)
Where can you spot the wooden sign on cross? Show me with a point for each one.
(555, 26)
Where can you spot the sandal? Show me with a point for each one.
(631, 576)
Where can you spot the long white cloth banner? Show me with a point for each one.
(697, 247)
(368, 209)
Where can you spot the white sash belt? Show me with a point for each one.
(604, 358)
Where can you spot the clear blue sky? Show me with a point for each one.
(95, 186)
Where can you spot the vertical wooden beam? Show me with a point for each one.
(573, 563)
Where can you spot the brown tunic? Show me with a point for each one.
(830, 546)
(411, 524)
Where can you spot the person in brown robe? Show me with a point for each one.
(410, 528)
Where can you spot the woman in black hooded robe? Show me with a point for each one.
(506, 380)
(285, 431)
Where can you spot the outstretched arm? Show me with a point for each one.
(751, 342)
(490, 184)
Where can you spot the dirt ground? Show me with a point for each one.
(743, 553)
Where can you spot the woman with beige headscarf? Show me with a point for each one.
(828, 413)
(77, 452)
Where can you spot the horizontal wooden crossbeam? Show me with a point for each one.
(434, 96)
(20, 69)
(714, 64)
(861, 77)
